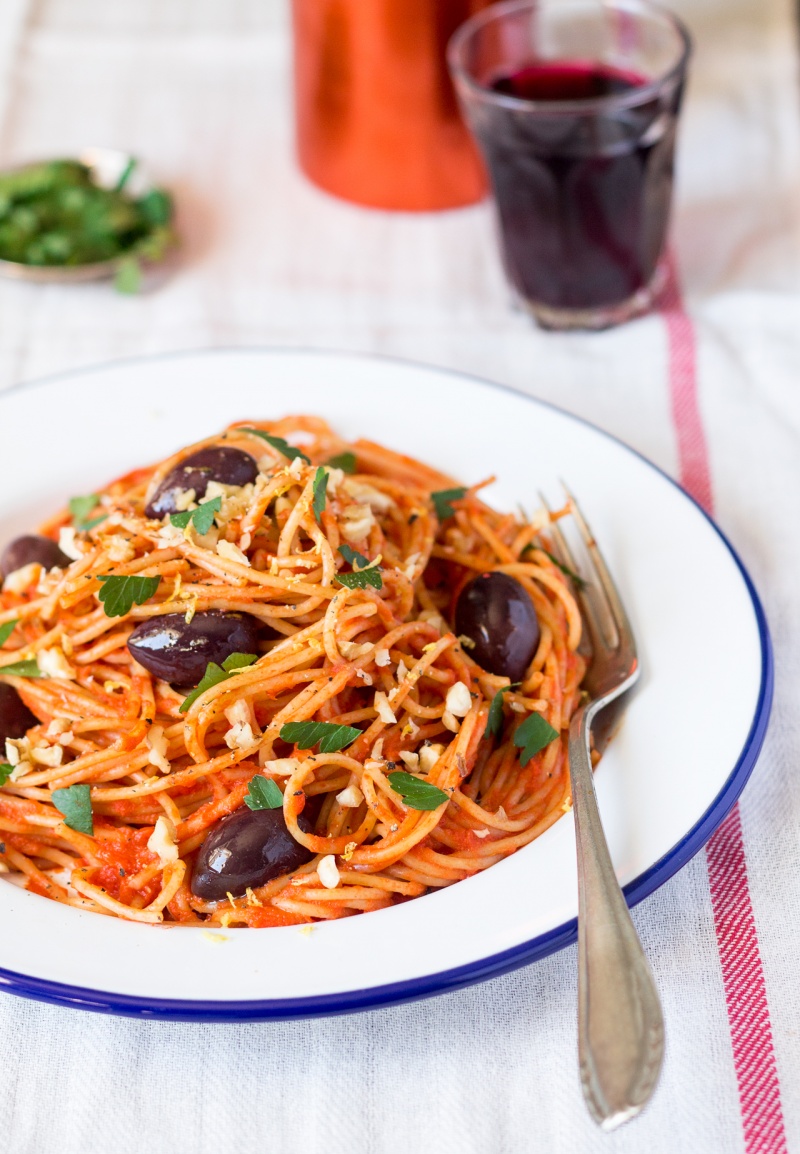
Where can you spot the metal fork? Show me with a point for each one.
(620, 1024)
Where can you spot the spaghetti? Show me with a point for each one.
(289, 550)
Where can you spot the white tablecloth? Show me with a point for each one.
(201, 89)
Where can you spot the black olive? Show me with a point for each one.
(178, 652)
(15, 717)
(497, 614)
(25, 550)
(223, 464)
(247, 848)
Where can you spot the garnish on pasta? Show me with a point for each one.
(283, 679)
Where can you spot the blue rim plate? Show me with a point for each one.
(682, 757)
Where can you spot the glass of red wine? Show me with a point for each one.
(575, 104)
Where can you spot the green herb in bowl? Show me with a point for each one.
(71, 220)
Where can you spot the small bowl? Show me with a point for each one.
(106, 166)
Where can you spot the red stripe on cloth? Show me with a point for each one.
(745, 991)
(737, 939)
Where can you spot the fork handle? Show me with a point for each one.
(620, 1025)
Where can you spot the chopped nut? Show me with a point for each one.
(157, 745)
(328, 872)
(279, 766)
(162, 841)
(53, 663)
(67, 543)
(428, 756)
(184, 499)
(240, 736)
(367, 495)
(458, 700)
(450, 722)
(382, 658)
(57, 725)
(119, 548)
(410, 759)
(384, 709)
(230, 552)
(49, 755)
(351, 797)
(356, 523)
(22, 579)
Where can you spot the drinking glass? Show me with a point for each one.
(575, 104)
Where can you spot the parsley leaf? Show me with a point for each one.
(75, 803)
(278, 443)
(362, 574)
(533, 735)
(361, 580)
(442, 499)
(331, 737)
(202, 517)
(23, 669)
(417, 794)
(353, 557)
(573, 576)
(320, 492)
(215, 674)
(237, 661)
(263, 793)
(81, 507)
(128, 277)
(6, 630)
(494, 722)
(344, 461)
(5, 772)
(120, 594)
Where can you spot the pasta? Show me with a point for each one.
(348, 571)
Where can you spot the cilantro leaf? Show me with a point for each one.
(494, 722)
(533, 735)
(362, 574)
(215, 674)
(344, 461)
(263, 793)
(202, 517)
(81, 507)
(278, 443)
(119, 594)
(75, 803)
(23, 669)
(320, 492)
(5, 772)
(331, 737)
(417, 794)
(441, 501)
(6, 630)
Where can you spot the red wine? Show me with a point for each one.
(582, 193)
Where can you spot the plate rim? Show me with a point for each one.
(444, 981)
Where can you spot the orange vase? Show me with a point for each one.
(376, 115)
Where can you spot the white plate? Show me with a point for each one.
(685, 750)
